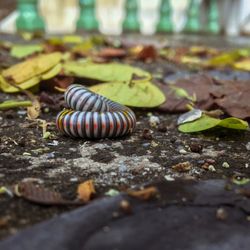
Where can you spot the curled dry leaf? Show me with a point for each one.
(144, 194)
(34, 111)
(85, 190)
(41, 195)
(38, 194)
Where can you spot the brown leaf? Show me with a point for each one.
(110, 53)
(86, 190)
(38, 194)
(144, 194)
(147, 53)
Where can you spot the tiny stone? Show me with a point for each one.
(248, 146)
(154, 144)
(183, 151)
(126, 207)
(106, 229)
(154, 121)
(147, 134)
(225, 164)
(211, 168)
(73, 179)
(169, 178)
(162, 128)
(182, 166)
(196, 148)
(221, 214)
(246, 165)
(210, 161)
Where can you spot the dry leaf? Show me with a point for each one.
(85, 190)
(34, 111)
(41, 195)
(144, 194)
(110, 53)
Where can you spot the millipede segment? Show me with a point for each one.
(93, 116)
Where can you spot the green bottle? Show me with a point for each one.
(131, 22)
(87, 19)
(165, 23)
(28, 19)
(193, 17)
(213, 18)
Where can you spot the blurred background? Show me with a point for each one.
(113, 17)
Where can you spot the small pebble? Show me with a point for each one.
(162, 128)
(126, 207)
(221, 214)
(154, 121)
(169, 178)
(196, 147)
(248, 146)
(225, 164)
(183, 151)
(211, 168)
(147, 134)
(73, 179)
(182, 166)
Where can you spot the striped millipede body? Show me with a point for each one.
(93, 116)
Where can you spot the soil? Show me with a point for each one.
(61, 163)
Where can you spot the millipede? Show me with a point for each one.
(90, 115)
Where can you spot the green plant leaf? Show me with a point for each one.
(135, 94)
(207, 122)
(234, 123)
(203, 123)
(111, 72)
(20, 51)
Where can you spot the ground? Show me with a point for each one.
(61, 163)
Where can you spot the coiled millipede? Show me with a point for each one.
(93, 116)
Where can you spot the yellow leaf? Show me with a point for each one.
(243, 65)
(85, 190)
(52, 72)
(5, 87)
(26, 70)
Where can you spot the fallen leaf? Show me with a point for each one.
(38, 194)
(85, 190)
(144, 194)
(110, 53)
(34, 111)
(134, 94)
(21, 51)
(30, 68)
(207, 122)
(110, 72)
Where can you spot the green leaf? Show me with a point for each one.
(20, 51)
(207, 122)
(234, 123)
(112, 72)
(204, 123)
(135, 94)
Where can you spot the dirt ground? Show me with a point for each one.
(61, 163)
